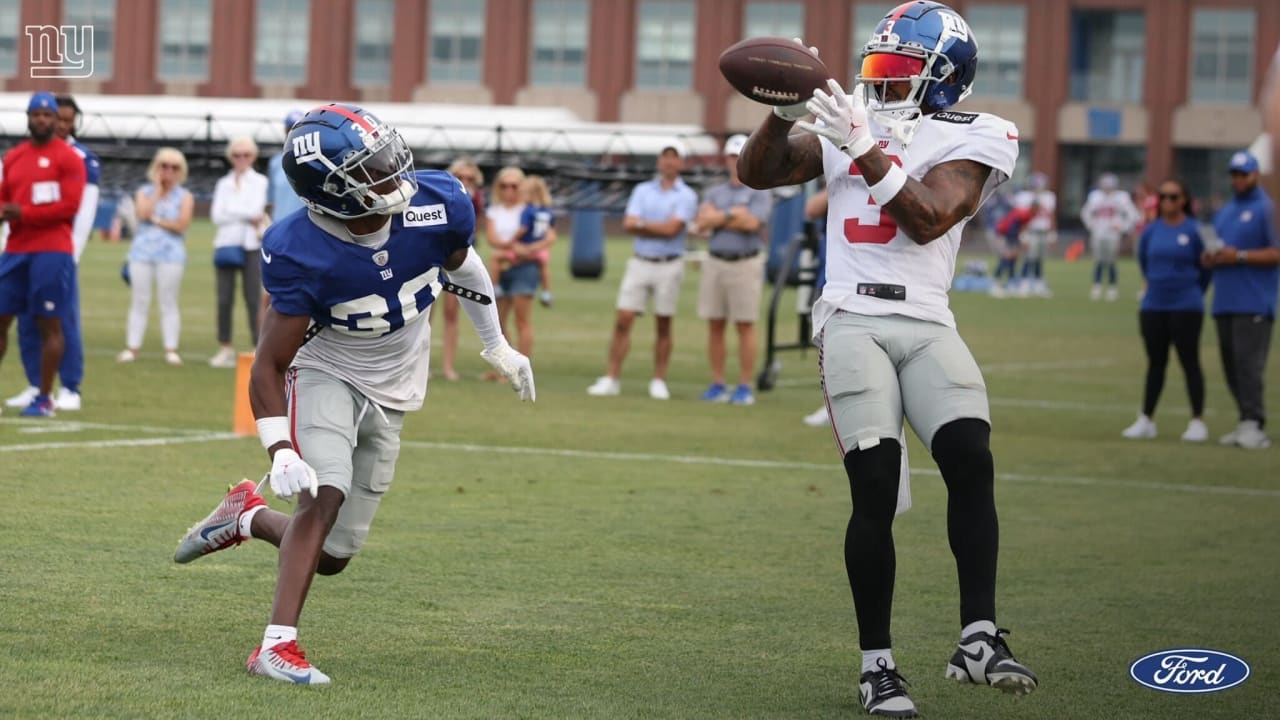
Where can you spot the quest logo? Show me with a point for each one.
(1189, 670)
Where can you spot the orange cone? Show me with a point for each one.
(1074, 251)
(242, 422)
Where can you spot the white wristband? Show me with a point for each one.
(889, 185)
(272, 430)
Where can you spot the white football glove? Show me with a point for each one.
(290, 475)
(791, 113)
(514, 367)
(844, 120)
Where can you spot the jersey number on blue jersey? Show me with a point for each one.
(373, 316)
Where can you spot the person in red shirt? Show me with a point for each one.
(43, 181)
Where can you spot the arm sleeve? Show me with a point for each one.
(83, 224)
(71, 187)
(473, 276)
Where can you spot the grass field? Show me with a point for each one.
(627, 558)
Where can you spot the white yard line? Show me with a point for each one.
(194, 436)
(44, 425)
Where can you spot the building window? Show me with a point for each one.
(1001, 34)
(1222, 56)
(1205, 172)
(280, 55)
(664, 44)
(776, 19)
(375, 23)
(8, 37)
(866, 16)
(101, 15)
(559, 43)
(184, 40)
(457, 31)
(1106, 56)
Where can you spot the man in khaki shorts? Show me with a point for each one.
(733, 275)
(657, 214)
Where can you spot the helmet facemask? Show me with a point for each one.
(384, 157)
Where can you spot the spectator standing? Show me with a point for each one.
(1246, 271)
(159, 253)
(1172, 309)
(733, 274)
(657, 215)
(238, 213)
(282, 198)
(502, 227)
(522, 266)
(468, 173)
(71, 369)
(39, 198)
(1108, 214)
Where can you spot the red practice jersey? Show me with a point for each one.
(47, 182)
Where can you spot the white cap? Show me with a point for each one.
(734, 145)
(675, 144)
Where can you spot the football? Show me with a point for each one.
(773, 70)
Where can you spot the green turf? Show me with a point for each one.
(655, 570)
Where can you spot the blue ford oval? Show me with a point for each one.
(1189, 670)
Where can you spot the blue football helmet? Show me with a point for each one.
(928, 45)
(343, 161)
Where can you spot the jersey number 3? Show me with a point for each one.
(882, 229)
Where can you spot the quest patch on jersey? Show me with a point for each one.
(424, 215)
(959, 118)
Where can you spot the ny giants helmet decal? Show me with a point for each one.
(342, 161)
(926, 44)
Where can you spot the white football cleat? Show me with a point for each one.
(884, 693)
(1144, 428)
(66, 400)
(818, 418)
(985, 659)
(220, 529)
(1113, 294)
(23, 398)
(605, 386)
(658, 389)
(285, 662)
(1095, 292)
(1196, 431)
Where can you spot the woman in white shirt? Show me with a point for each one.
(238, 212)
(502, 227)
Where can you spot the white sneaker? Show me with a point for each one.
(1095, 292)
(818, 418)
(1142, 429)
(23, 398)
(127, 355)
(1251, 437)
(285, 662)
(1042, 289)
(224, 358)
(1230, 438)
(1196, 431)
(66, 400)
(172, 357)
(1113, 294)
(996, 290)
(658, 390)
(605, 386)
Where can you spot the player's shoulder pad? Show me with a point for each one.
(955, 117)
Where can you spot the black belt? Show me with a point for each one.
(883, 291)
(734, 257)
(658, 258)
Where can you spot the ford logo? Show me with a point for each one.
(1189, 670)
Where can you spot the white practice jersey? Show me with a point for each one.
(1109, 214)
(1042, 205)
(864, 245)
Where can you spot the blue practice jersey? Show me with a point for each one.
(535, 222)
(370, 294)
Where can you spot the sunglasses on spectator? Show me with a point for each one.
(240, 155)
(509, 186)
(1170, 196)
(169, 166)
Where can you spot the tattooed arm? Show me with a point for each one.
(925, 209)
(774, 156)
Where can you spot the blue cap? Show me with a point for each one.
(292, 119)
(1244, 161)
(43, 101)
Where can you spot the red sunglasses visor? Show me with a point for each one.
(888, 66)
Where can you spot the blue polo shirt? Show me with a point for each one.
(652, 203)
(279, 192)
(1169, 256)
(1247, 222)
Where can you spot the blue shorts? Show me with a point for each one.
(519, 279)
(37, 283)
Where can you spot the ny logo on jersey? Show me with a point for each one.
(307, 148)
(386, 274)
